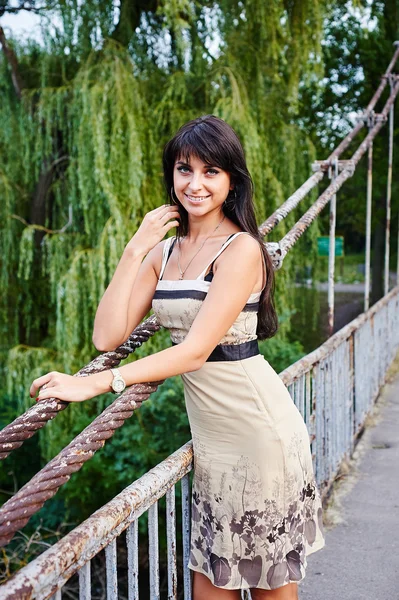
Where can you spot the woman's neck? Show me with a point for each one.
(202, 227)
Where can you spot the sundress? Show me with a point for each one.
(256, 512)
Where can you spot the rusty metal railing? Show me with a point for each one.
(24, 427)
(334, 388)
(310, 382)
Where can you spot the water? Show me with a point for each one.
(309, 324)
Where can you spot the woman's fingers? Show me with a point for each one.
(170, 214)
(160, 210)
(40, 382)
(152, 228)
(170, 225)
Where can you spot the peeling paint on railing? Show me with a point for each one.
(333, 387)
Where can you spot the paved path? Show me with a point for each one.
(361, 558)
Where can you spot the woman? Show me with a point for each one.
(256, 511)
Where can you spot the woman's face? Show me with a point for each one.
(200, 187)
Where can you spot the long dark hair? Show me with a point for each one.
(214, 142)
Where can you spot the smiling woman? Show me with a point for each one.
(256, 510)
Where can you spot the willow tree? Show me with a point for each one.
(83, 119)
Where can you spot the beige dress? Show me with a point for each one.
(256, 510)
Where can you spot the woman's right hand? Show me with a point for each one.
(154, 227)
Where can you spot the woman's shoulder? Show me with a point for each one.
(238, 246)
(243, 241)
(155, 255)
(159, 248)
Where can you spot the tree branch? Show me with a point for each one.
(129, 18)
(29, 7)
(13, 62)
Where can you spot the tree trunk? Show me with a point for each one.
(13, 62)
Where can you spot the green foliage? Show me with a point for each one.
(281, 353)
(87, 138)
(357, 49)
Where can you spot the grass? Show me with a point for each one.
(348, 269)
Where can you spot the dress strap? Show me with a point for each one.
(224, 245)
(167, 250)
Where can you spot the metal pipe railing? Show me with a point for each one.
(17, 511)
(292, 202)
(13, 435)
(307, 219)
(388, 201)
(334, 388)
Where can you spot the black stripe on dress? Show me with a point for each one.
(230, 352)
(196, 295)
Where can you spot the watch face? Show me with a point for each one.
(118, 385)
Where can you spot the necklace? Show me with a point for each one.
(182, 271)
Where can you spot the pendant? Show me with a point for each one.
(181, 277)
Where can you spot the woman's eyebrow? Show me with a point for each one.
(206, 165)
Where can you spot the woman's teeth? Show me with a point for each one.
(196, 199)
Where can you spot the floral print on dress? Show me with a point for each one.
(178, 314)
(270, 543)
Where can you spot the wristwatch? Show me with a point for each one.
(118, 384)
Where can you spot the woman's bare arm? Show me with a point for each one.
(128, 297)
(231, 287)
(126, 300)
(233, 282)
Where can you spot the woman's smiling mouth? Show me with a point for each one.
(196, 199)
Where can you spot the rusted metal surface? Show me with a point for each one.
(307, 219)
(171, 543)
(186, 526)
(388, 204)
(347, 373)
(153, 551)
(111, 571)
(44, 575)
(397, 263)
(292, 202)
(16, 512)
(276, 253)
(368, 228)
(369, 108)
(331, 252)
(334, 387)
(132, 545)
(25, 426)
(85, 582)
(290, 374)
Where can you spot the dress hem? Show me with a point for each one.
(310, 550)
(247, 587)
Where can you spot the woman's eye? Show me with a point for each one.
(212, 171)
(183, 169)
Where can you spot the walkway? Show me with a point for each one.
(361, 557)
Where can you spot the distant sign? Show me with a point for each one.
(323, 244)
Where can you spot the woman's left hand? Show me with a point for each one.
(68, 388)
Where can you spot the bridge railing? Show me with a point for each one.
(334, 388)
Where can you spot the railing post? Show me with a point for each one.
(333, 172)
(368, 222)
(85, 582)
(186, 526)
(132, 545)
(153, 551)
(389, 190)
(171, 543)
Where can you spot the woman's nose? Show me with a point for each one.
(196, 182)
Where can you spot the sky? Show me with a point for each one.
(22, 24)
